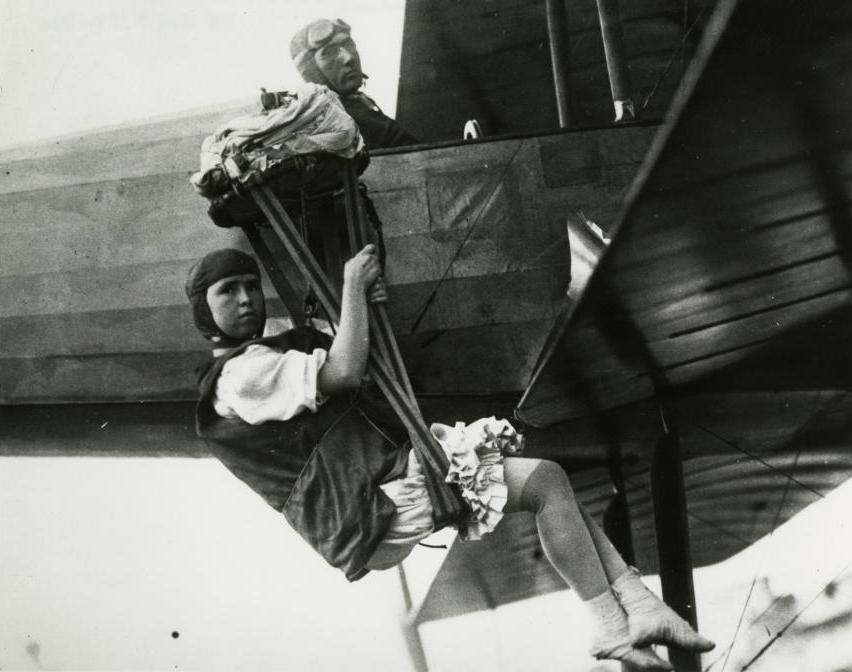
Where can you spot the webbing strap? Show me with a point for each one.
(384, 363)
(380, 326)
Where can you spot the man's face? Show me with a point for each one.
(236, 303)
(340, 63)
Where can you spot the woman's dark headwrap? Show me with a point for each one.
(209, 270)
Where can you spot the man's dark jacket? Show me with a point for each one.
(377, 129)
(321, 470)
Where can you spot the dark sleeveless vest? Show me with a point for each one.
(321, 470)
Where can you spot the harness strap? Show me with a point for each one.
(385, 362)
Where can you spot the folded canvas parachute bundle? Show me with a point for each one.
(308, 122)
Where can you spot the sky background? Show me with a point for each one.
(102, 560)
(82, 64)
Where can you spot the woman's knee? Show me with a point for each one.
(535, 482)
(551, 477)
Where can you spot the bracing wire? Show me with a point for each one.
(434, 293)
(790, 479)
(781, 472)
(677, 53)
(781, 632)
(740, 620)
(694, 516)
(777, 518)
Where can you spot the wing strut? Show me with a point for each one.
(672, 527)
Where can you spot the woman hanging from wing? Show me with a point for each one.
(288, 414)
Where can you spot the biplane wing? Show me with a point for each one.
(736, 233)
(724, 295)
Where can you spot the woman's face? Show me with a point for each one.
(237, 305)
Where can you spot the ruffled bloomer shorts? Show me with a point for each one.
(475, 452)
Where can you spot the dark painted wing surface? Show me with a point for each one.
(725, 291)
(736, 234)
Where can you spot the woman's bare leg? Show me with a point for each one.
(611, 559)
(542, 488)
(580, 551)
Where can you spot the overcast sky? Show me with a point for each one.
(81, 64)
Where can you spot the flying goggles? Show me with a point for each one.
(323, 33)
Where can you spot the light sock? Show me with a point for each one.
(652, 621)
(612, 639)
(608, 613)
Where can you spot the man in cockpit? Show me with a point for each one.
(324, 53)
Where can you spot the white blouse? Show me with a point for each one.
(263, 384)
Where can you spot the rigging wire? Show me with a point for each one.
(591, 26)
(677, 53)
(732, 535)
(726, 651)
(434, 293)
(757, 573)
(789, 481)
(740, 620)
(755, 577)
(781, 632)
(694, 516)
(756, 458)
(787, 486)
(789, 478)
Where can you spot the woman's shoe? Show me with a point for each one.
(652, 621)
(641, 658)
(613, 637)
